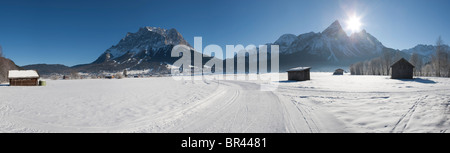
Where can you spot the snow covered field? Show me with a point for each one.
(325, 104)
(373, 103)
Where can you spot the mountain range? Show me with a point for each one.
(150, 49)
(147, 49)
(5, 66)
(425, 52)
(328, 49)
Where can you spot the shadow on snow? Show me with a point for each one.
(289, 81)
(419, 80)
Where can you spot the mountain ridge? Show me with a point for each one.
(6, 65)
(150, 48)
(331, 47)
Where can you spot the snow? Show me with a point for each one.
(375, 103)
(424, 50)
(333, 44)
(285, 41)
(146, 38)
(23, 74)
(334, 28)
(326, 103)
(331, 53)
(299, 69)
(138, 72)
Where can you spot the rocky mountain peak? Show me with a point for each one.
(146, 38)
(286, 39)
(335, 29)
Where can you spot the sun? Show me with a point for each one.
(354, 24)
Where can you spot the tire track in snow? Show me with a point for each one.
(308, 119)
(289, 124)
(243, 108)
(258, 111)
(9, 123)
(200, 119)
(233, 122)
(306, 116)
(404, 120)
(154, 123)
(303, 115)
(445, 116)
(296, 119)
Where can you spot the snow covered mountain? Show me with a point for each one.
(150, 49)
(333, 44)
(285, 41)
(331, 47)
(146, 39)
(147, 49)
(424, 50)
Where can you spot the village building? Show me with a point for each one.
(299, 74)
(23, 78)
(402, 69)
(338, 72)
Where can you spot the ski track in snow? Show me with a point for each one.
(374, 103)
(404, 120)
(325, 104)
(241, 108)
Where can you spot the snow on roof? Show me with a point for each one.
(298, 69)
(22, 74)
(403, 61)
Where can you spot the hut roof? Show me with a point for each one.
(14, 74)
(298, 69)
(402, 61)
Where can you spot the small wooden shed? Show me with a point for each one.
(402, 69)
(23, 78)
(338, 72)
(299, 74)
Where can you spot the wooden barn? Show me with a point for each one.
(338, 72)
(402, 69)
(299, 74)
(23, 78)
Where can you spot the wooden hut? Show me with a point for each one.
(402, 69)
(338, 72)
(23, 78)
(299, 74)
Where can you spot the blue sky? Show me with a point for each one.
(74, 32)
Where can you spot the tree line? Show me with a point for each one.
(438, 66)
(1, 51)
